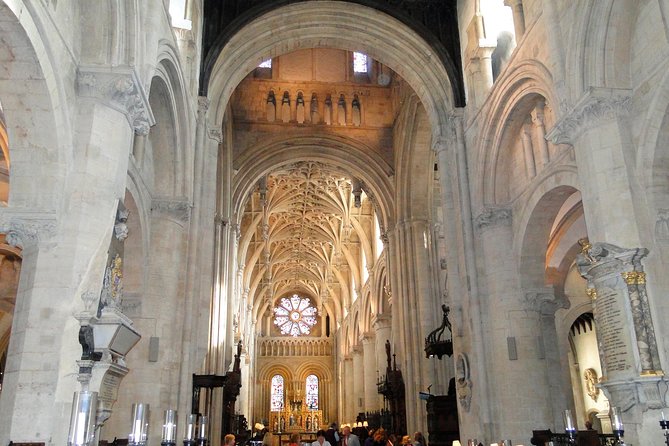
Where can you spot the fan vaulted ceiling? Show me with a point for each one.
(302, 228)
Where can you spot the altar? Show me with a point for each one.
(291, 420)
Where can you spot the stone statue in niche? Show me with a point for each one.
(328, 110)
(315, 116)
(285, 107)
(591, 380)
(300, 108)
(341, 110)
(356, 114)
(270, 108)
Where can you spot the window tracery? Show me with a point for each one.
(276, 399)
(312, 392)
(295, 316)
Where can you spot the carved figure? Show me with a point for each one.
(591, 380)
(462, 382)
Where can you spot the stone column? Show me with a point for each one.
(598, 129)
(512, 327)
(64, 256)
(537, 115)
(349, 395)
(369, 370)
(528, 151)
(358, 381)
(632, 376)
(518, 17)
(382, 327)
(414, 303)
(469, 344)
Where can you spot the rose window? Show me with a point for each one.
(295, 316)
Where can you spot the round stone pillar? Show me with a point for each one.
(369, 368)
(512, 329)
(358, 382)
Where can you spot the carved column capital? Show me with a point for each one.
(216, 134)
(492, 217)
(176, 209)
(203, 103)
(120, 88)
(27, 228)
(544, 301)
(598, 105)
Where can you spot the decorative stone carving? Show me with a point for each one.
(596, 106)
(176, 209)
(545, 301)
(216, 135)
(121, 226)
(120, 88)
(463, 383)
(112, 286)
(492, 217)
(662, 225)
(591, 381)
(25, 229)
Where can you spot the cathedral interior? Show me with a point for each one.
(444, 216)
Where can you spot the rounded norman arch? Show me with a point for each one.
(333, 24)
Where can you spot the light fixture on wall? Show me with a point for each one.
(82, 419)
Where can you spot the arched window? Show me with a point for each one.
(312, 392)
(276, 399)
(360, 63)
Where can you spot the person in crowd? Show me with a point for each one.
(419, 439)
(332, 436)
(348, 438)
(294, 439)
(320, 439)
(229, 440)
(392, 440)
(380, 437)
(268, 439)
(369, 441)
(406, 441)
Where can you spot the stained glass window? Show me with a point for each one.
(312, 392)
(276, 399)
(295, 316)
(265, 64)
(359, 63)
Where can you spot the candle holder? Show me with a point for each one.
(664, 424)
(169, 428)
(191, 425)
(82, 419)
(139, 429)
(202, 435)
(618, 427)
(569, 427)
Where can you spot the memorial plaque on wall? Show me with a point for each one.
(613, 330)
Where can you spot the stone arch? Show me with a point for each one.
(415, 168)
(349, 155)
(332, 24)
(37, 122)
(168, 69)
(162, 154)
(535, 221)
(136, 246)
(600, 45)
(526, 81)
